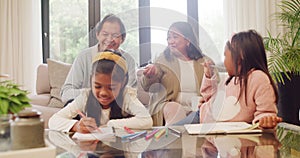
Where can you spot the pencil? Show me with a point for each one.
(81, 114)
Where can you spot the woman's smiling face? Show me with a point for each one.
(177, 42)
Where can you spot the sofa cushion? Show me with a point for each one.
(58, 72)
(42, 82)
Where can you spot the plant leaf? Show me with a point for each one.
(284, 49)
(23, 98)
(15, 100)
(14, 108)
(4, 104)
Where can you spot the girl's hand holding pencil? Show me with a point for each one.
(85, 124)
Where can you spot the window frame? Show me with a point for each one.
(94, 17)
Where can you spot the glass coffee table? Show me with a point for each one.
(284, 142)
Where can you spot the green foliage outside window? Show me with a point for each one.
(68, 28)
(69, 33)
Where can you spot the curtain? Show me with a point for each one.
(242, 15)
(20, 41)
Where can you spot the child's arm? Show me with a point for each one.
(209, 87)
(269, 121)
(263, 95)
(63, 119)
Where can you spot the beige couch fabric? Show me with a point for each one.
(58, 72)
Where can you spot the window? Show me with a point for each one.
(146, 22)
(162, 15)
(127, 11)
(211, 28)
(68, 28)
(71, 29)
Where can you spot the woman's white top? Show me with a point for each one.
(187, 84)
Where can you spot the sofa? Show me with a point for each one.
(50, 78)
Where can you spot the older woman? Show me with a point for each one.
(176, 76)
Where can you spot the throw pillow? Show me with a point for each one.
(58, 72)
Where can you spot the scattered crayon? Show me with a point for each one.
(151, 134)
(160, 133)
(128, 130)
(139, 135)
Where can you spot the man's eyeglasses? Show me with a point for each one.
(114, 35)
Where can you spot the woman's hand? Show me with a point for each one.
(269, 121)
(201, 101)
(150, 70)
(85, 125)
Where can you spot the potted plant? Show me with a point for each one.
(284, 60)
(12, 98)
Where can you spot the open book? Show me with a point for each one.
(222, 128)
(106, 133)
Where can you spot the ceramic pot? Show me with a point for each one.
(5, 120)
(27, 130)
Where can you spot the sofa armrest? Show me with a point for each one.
(41, 99)
(47, 112)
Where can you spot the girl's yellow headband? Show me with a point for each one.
(113, 57)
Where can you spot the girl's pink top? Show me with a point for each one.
(223, 106)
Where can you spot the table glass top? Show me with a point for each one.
(284, 142)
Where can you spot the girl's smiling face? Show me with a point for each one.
(105, 89)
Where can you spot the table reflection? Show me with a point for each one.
(115, 147)
(234, 146)
(281, 143)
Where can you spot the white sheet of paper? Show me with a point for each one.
(107, 133)
(220, 127)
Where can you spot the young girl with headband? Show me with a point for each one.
(109, 101)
